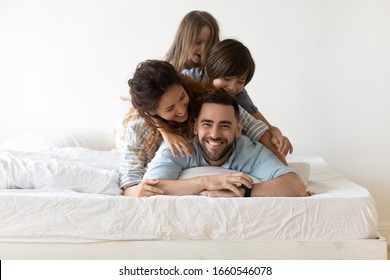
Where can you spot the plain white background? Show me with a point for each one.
(322, 70)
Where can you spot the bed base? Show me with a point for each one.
(364, 249)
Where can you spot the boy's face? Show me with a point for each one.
(199, 48)
(231, 85)
(217, 128)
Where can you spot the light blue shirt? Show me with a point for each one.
(248, 156)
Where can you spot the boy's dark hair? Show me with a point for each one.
(229, 58)
(219, 98)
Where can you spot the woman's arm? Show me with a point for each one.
(252, 127)
(132, 168)
(144, 189)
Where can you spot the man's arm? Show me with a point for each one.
(166, 168)
(289, 184)
(222, 182)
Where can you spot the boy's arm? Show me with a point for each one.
(281, 142)
(257, 130)
(266, 141)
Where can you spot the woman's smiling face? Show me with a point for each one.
(173, 105)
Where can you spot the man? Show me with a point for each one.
(218, 142)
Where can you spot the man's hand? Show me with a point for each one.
(228, 182)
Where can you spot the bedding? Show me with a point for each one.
(82, 203)
(74, 169)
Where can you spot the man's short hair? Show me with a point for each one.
(219, 98)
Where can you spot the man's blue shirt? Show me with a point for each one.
(248, 156)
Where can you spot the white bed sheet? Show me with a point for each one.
(78, 169)
(340, 210)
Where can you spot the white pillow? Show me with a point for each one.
(70, 137)
(206, 171)
(302, 169)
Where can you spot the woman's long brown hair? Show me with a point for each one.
(150, 81)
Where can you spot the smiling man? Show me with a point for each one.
(218, 142)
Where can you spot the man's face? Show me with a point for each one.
(216, 129)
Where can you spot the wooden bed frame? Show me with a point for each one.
(364, 249)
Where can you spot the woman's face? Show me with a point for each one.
(173, 105)
(199, 48)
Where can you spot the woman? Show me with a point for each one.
(163, 108)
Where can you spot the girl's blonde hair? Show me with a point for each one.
(190, 27)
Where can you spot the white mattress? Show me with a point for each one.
(340, 210)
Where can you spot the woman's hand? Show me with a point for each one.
(177, 143)
(146, 188)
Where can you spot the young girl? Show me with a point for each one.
(196, 34)
(164, 102)
(229, 68)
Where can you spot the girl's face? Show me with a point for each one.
(173, 105)
(231, 85)
(199, 48)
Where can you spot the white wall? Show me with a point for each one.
(323, 69)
